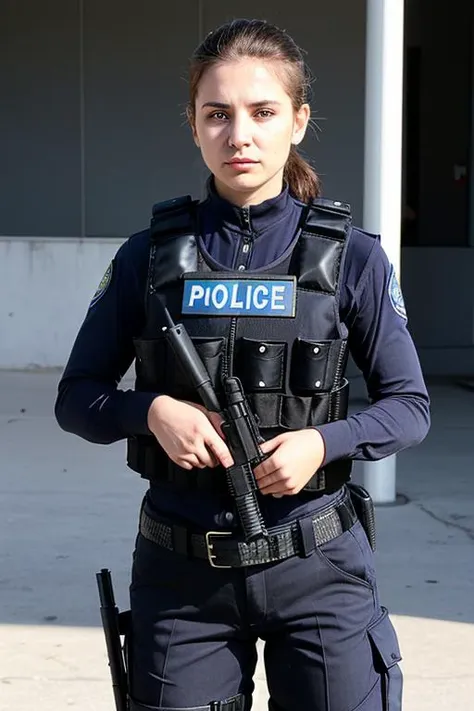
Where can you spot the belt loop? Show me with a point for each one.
(307, 535)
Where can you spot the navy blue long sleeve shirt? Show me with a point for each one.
(90, 405)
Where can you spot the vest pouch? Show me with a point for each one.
(158, 369)
(281, 412)
(309, 365)
(261, 364)
(211, 352)
(151, 364)
(315, 365)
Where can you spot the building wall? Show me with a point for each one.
(45, 288)
(93, 130)
(94, 133)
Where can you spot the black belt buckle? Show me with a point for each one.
(210, 547)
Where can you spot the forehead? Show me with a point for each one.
(243, 81)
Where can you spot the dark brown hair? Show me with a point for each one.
(261, 40)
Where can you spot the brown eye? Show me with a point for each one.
(219, 115)
(265, 113)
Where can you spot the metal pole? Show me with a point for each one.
(383, 167)
(470, 167)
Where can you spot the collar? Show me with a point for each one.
(255, 218)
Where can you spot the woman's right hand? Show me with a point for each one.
(186, 432)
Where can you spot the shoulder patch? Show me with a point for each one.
(396, 296)
(103, 285)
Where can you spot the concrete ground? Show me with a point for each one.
(68, 508)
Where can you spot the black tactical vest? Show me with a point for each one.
(292, 368)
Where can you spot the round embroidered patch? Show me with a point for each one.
(103, 286)
(396, 296)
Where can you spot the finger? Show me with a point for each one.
(183, 464)
(205, 456)
(216, 421)
(266, 468)
(189, 461)
(218, 447)
(280, 487)
(273, 479)
(274, 490)
(271, 444)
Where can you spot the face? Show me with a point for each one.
(245, 125)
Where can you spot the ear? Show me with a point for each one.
(301, 123)
(192, 123)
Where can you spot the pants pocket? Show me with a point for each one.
(348, 559)
(386, 651)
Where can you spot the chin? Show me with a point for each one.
(243, 182)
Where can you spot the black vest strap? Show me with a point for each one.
(327, 218)
(173, 217)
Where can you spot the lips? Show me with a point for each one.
(240, 161)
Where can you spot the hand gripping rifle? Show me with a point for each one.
(239, 427)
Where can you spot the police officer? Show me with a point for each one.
(275, 286)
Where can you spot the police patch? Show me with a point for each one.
(396, 296)
(217, 295)
(103, 285)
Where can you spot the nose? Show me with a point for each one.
(239, 132)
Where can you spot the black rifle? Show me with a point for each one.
(239, 427)
(114, 624)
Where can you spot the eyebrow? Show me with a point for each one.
(253, 105)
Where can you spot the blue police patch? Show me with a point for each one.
(396, 296)
(217, 295)
(103, 286)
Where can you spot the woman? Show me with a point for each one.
(272, 284)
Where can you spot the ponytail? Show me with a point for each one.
(303, 183)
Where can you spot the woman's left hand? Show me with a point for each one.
(295, 458)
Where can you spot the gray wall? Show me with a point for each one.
(93, 91)
(40, 176)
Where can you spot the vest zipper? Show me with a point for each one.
(246, 216)
(229, 354)
(244, 252)
(335, 401)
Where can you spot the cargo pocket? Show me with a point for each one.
(261, 364)
(386, 651)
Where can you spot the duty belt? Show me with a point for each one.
(224, 549)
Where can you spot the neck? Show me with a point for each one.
(245, 198)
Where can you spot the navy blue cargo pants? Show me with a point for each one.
(329, 645)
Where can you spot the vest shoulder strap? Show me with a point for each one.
(173, 217)
(327, 218)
